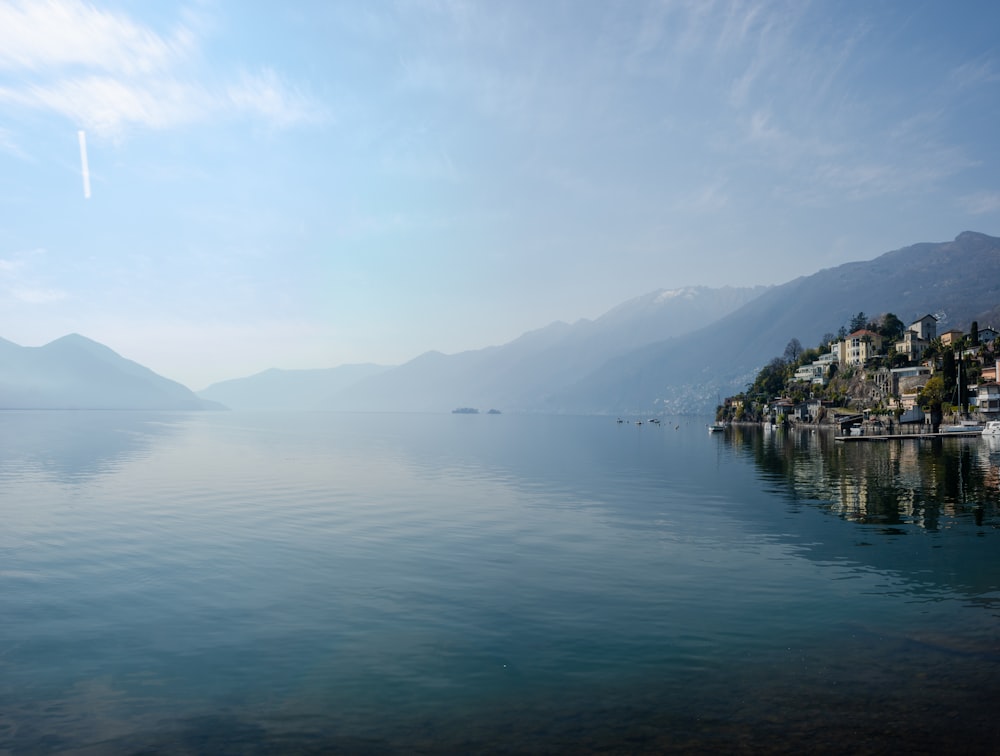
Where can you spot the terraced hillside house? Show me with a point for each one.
(859, 347)
(918, 336)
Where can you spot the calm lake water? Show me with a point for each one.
(292, 583)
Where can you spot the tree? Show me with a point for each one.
(809, 356)
(932, 395)
(948, 371)
(974, 333)
(858, 322)
(891, 328)
(969, 372)
(792, 350)
(770, 381)
(934, 348)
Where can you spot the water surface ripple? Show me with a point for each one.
(302, 583)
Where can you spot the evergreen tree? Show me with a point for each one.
(858, 322)
(960, 384)
(948, 371)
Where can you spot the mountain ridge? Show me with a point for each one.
(520, 374)
(278, 389)
(689, 372)
(959, 280)
(75, 372)
(668, 350)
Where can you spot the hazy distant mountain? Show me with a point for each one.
(958, 281)
(678, 350)
(276, 389)
(683, 350)
(525, 374)
(76, 373)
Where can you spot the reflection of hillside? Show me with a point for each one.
(71, 445)
(924, 483)
(990, 450)
(929, 483)
(926, 512)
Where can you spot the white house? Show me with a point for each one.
(988, 399)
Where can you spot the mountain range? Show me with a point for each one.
(277, 389)
(512, 375)
(682, 350)
(957, 282)
(75, 372)
(676, 350)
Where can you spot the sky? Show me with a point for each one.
(218, 187)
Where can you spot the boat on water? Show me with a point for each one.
(965, 426)
(992, 428)
(715, 427)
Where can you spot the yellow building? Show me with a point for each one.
(950, 337)
(859, 347)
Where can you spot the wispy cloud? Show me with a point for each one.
(107, 105)
(19, 260)
(10, 146)
(981, 203)
(265, 94)
(21, 283)
(37, 296)
(975, 73)
(858, 177)
(108, 74)
(710, 198)
(39, 36)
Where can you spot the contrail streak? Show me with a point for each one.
(83, 164)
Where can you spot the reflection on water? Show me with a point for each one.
(926, 513)
(395, 584)
(75, 445)
(932, 484)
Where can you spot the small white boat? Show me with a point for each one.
(714, 427)
(992, 428)
(965, 426)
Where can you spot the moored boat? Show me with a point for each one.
(965, 426)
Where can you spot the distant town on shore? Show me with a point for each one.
(880, 371)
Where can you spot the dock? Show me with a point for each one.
(913, 436)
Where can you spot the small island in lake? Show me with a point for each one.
(465, 411)
(493, 412)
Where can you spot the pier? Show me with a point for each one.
(913, 436)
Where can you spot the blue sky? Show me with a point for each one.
(311, 184)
